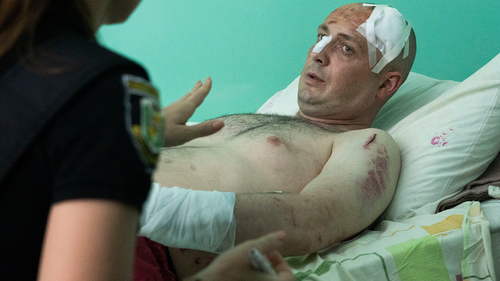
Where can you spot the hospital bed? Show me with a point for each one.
(448, 133)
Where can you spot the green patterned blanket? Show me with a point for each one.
(451, 245)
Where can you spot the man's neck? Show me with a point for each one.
(334, 125)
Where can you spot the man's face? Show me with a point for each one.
(337, 83)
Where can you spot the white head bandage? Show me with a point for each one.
(386, 30)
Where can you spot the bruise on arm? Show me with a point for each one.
(377, 178)
(370, 141)
(354, 188)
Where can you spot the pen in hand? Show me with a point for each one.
(260, 263)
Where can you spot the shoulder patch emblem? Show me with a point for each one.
(143, 117)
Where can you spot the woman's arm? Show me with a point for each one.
(89, 239)
(235, 264)
(178, 113)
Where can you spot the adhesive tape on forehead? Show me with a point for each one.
(321, 44)
(385, 30)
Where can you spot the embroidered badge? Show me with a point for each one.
(143, 117)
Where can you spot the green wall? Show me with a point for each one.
(252, 49)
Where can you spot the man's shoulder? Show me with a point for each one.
(367, 144)
(366, 131)
(367, 137)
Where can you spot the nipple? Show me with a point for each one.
(274, 141)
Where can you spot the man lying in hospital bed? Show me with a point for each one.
(441, 140)
(448, 133)
(334, 173)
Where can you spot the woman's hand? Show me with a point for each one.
(235, 264)
(178, 113)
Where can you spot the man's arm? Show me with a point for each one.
(353, 189)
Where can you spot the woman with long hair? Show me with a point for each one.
(80, 131)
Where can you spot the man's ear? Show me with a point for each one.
(389, 85)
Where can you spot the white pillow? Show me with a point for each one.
(283, 102)
(417, 91)
(447, 143)
(448, 133)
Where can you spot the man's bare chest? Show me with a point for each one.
(251, 154)
(253, 125)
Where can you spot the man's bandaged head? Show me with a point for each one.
(385, 30)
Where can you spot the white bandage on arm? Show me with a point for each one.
(193, 219)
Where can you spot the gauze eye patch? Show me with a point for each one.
(321, 44)
(385, 30)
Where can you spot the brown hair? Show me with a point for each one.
(19, 20)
